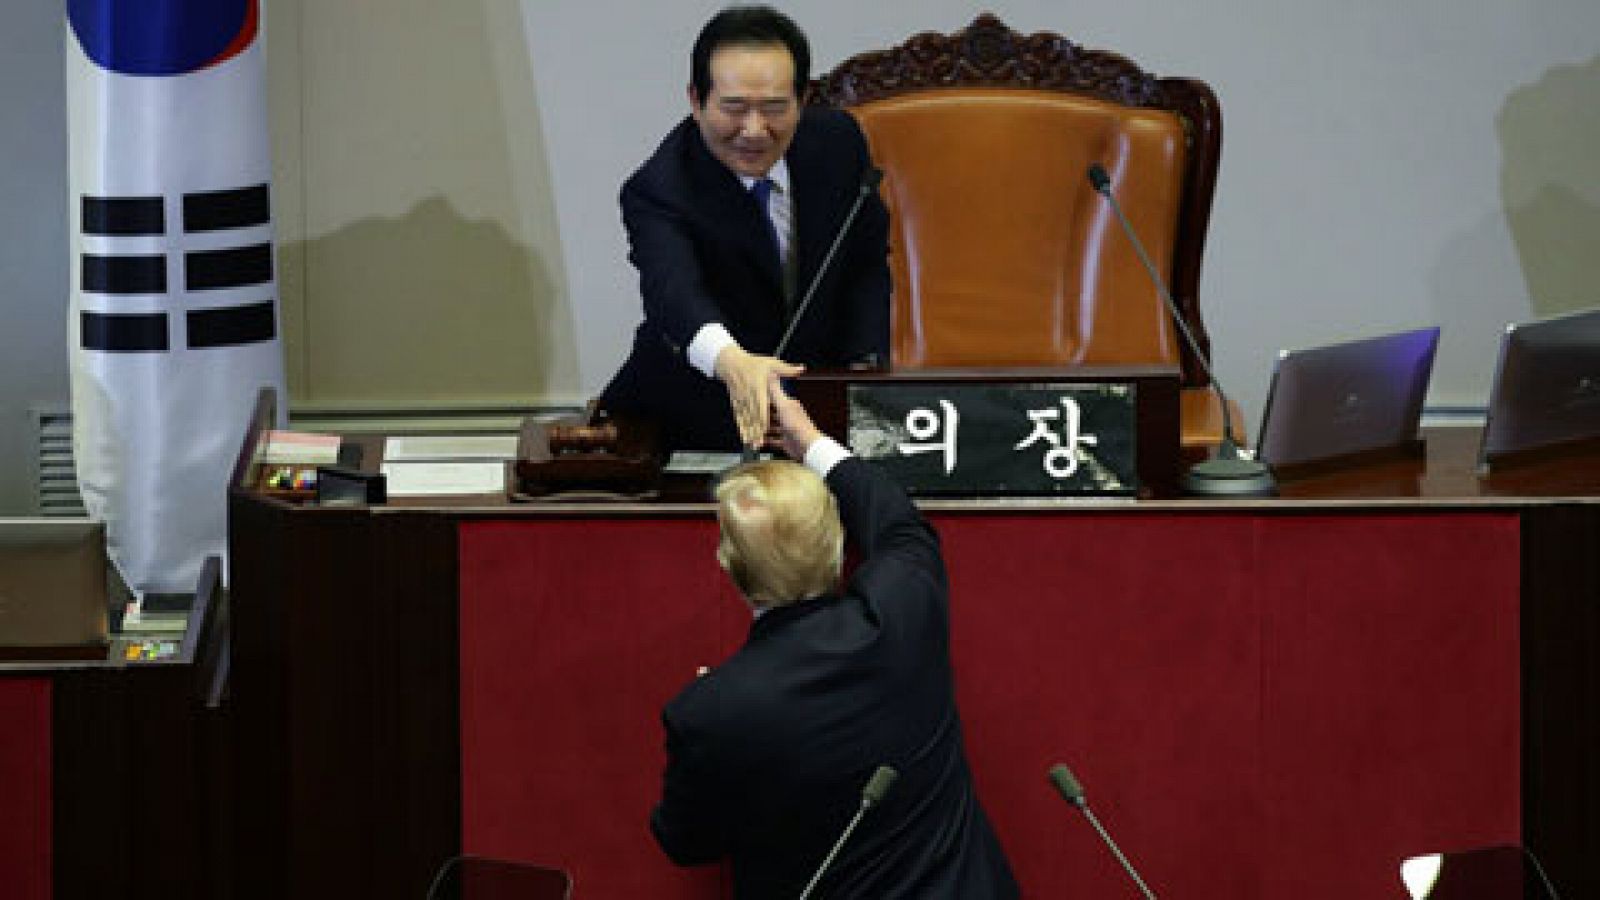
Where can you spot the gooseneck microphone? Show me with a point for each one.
(869, 183)
(871, 795)
(1229, 472)
(1072, 791)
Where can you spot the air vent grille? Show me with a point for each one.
(56, 487)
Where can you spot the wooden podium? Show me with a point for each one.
(1379, 663)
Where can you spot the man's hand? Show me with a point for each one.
(795, 429)
(746, 375)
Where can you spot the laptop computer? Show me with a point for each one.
(52, 583)
(1348, 399)
(1546, 387)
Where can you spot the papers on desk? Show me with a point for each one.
(300, 447)
(690, 463)
(684, 462)
(435, 465)
(450, 447)
(433, 479)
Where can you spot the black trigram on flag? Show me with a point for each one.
(200, 262)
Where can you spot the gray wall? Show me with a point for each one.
(33, 235)
(446, 179)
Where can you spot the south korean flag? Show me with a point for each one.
(174, 322)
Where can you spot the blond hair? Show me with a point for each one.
(781, 536)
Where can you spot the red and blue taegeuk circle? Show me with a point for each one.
(163, 37)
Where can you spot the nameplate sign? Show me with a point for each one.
(1034, 438)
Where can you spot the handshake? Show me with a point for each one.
(754, 392)
(790, 428)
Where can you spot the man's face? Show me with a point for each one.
(750, 117)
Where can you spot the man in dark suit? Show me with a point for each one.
(728, 223)
(768, 753)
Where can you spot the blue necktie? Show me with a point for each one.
(762, 192)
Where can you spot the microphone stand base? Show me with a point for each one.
(1223, 477)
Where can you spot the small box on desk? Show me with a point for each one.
(294, 482)
(286, 463)
(340, 486)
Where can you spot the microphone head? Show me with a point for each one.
(1098, 178)
(877, 786)
(870, 179)
(1070, 789)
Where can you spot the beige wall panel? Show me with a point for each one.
(1550, 182)
(420, 259)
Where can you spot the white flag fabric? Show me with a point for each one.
(174, 315)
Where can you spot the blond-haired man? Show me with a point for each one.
(767, 753)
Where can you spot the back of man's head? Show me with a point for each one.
(758, 26)
(781, 536)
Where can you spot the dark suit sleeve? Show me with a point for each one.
(894, 539)
(864, 289)
(687, 823)
(660, 247)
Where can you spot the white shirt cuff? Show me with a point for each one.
(823, 454)
(709, 341)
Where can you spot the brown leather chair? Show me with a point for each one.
(1002, 254)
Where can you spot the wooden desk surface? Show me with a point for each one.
(1448, 472)
(1445, 476)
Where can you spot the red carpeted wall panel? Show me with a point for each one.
(1391, 696)
(1075, 644)
(573, 636)
(1257, 704)
(25, 788)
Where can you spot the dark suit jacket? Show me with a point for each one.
(767, 754)
(700, 244)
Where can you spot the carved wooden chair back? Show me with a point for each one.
(1001, 252)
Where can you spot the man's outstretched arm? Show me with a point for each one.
(877, 514)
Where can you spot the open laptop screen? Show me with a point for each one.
(1344, 399)
(52, 582)
(1546, 386)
